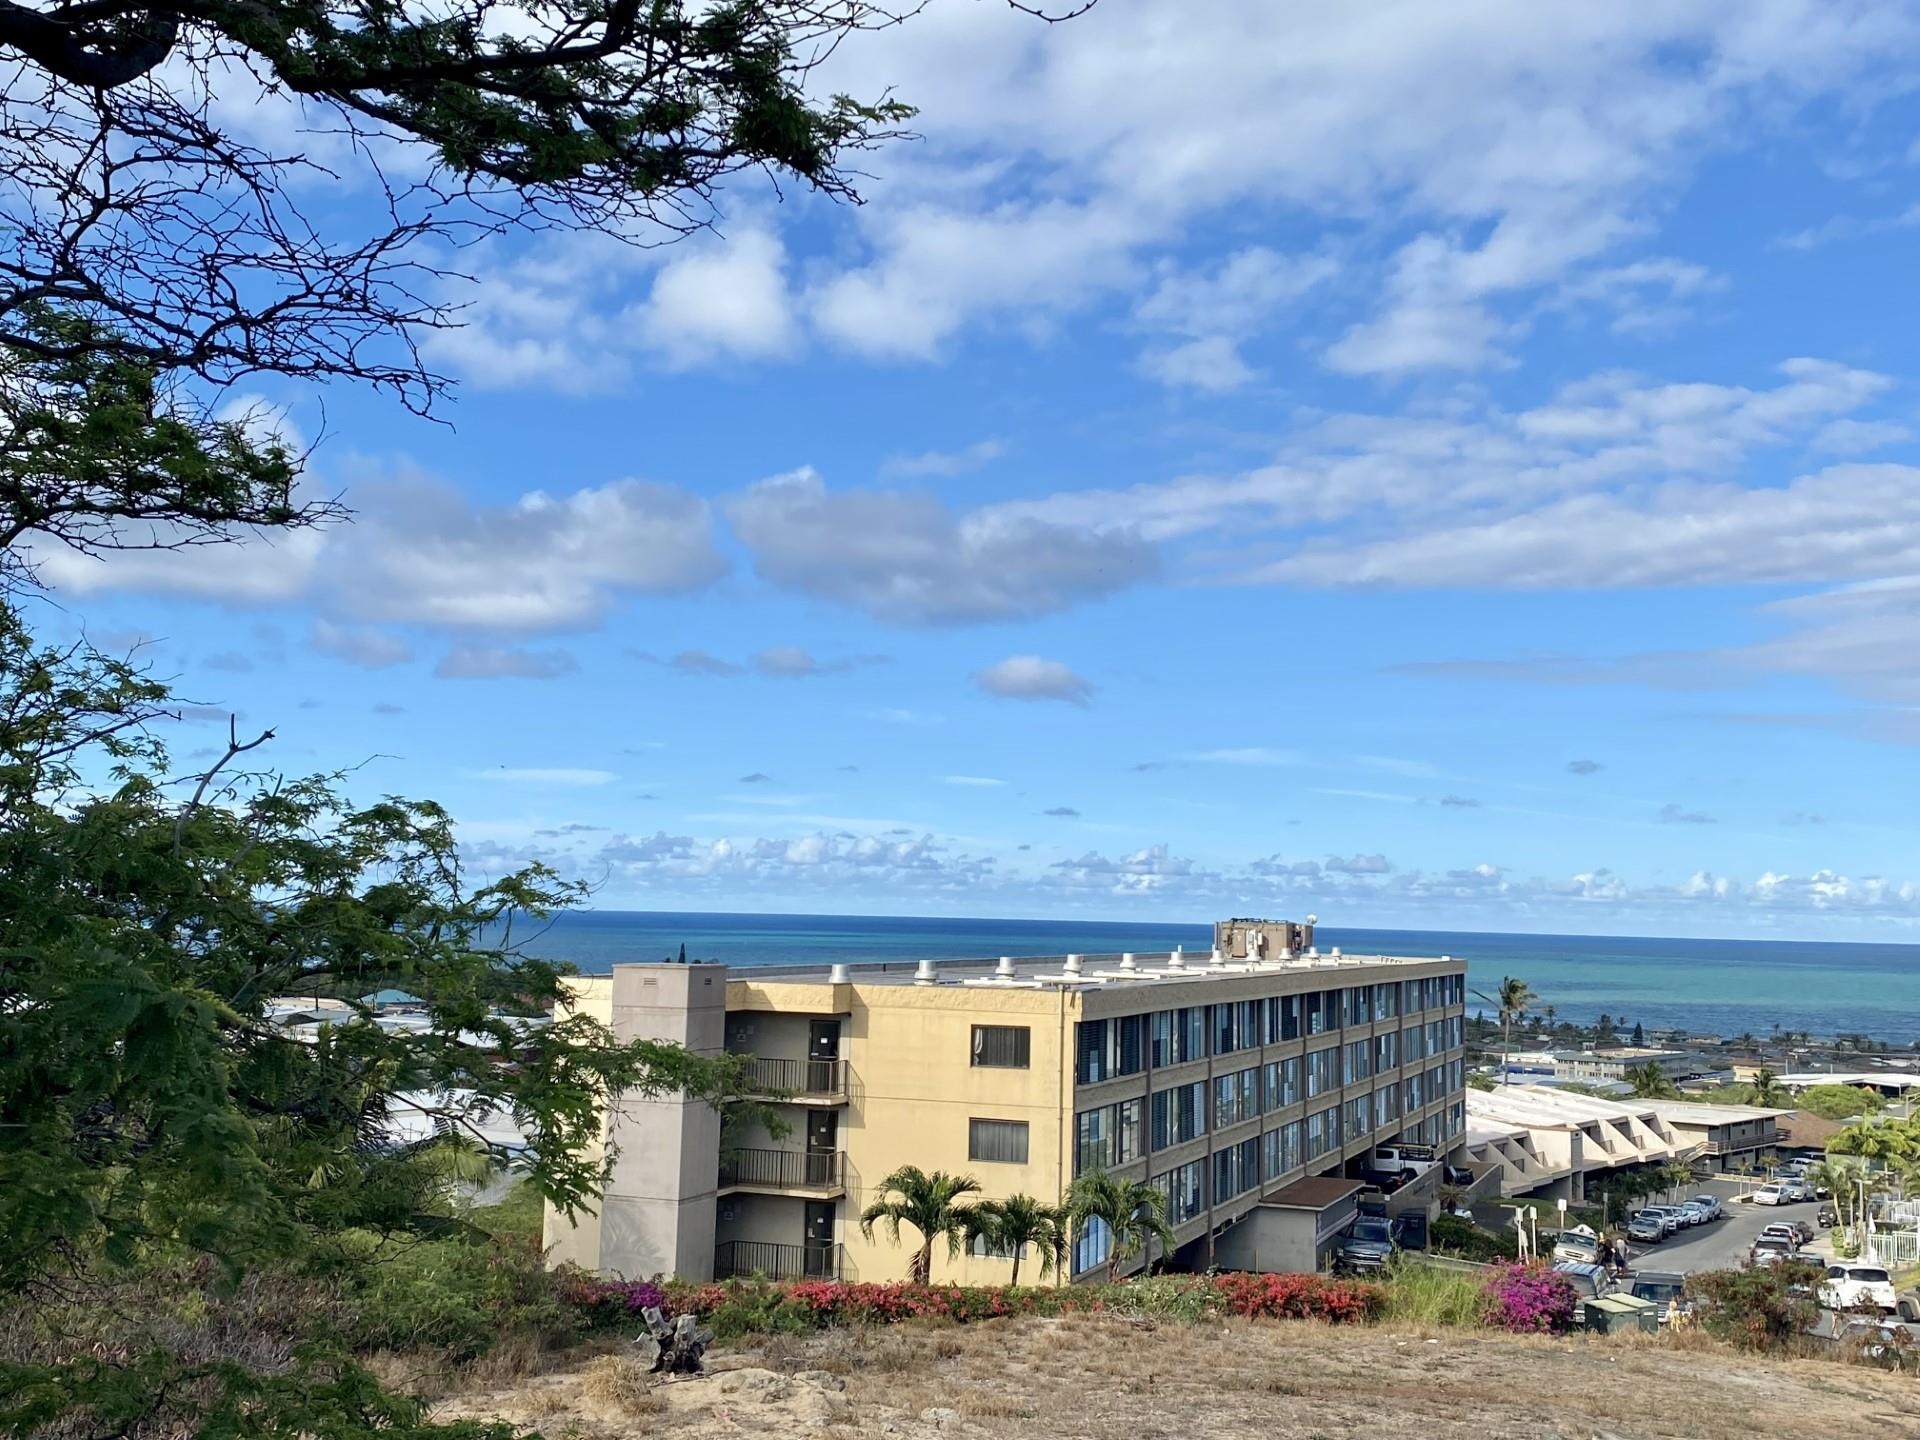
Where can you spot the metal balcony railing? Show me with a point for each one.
(782, 1169)
(812, 1261)
(801, 1079)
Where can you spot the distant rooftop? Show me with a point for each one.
(1083, 971)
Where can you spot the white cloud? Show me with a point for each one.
(946, 462)
(1028, 677)
(1859, 437)
(359, 645)
(537, 775)
(492, 662)
(973, 781)
(1212, 364)
(909, 560)
(1247, 755)
(419, 551)
(721, 302)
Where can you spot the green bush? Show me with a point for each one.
(1423, 1294)
(1838, 1102)
(457, 1296)
(1450, 1235)
(1758, 1309)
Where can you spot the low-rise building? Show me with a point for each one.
(1552, 1143)
(1723, 1137)
(1221, 1079)
(1614, 1063)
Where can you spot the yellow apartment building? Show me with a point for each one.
(1225, 1079)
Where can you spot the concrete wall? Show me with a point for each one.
(657, 1215)
(776, 1219)
(1272, 1238)
(914, 1088)
(576, 1241)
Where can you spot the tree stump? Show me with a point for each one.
(678, 1343)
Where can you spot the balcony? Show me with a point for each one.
(783, 1171)
(822, 1082)
(742, 1258)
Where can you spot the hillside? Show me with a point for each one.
(1098, 1378)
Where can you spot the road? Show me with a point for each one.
(1719, 1244)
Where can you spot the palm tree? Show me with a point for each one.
(1133, 1211)
(1650, 1082)
(1019, 1221)
(1767, 1089)
(1513, 1000)
(930, 1204)
(1745, 1042)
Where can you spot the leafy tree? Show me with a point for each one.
(1019, 1223)
(1604, 1032)
(1134, 1213)
(1767, 1090)
(1513, 999)
(1839, 1102)
(1639, 1034)
(152, 1114)
(1764, 1308)
(1650, 1082)
(931, 1204)
(1477, 1081)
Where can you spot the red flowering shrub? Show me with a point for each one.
(1300, 1297)
(1529, 1299)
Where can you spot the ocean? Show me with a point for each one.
(1723, 987)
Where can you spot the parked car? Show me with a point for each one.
(1669, 1221)
(1770, 1194)
(1647, 1229)
(1849, 1286)
(1827, 1218)
(1715, 1211)
(1879, 1341)
(1806, 1230)
(1366, 1244)
(1457, 1175)
(1770, 1250)
(1590, 1282)
(1665, 1288)
(1789, 1233)
(1907, 1305)
(1581, 1246)
(1799, 1192)
(1696, 1213)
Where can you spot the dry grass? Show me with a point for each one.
(1089, 1378)
(621, 1383)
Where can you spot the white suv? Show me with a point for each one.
(1770, 1195)
(1857, 1287)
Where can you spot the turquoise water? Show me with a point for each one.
(1708, 986)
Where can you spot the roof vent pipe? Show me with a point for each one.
(1336, 952)
(838, 975)
(1286, 952)
(1178, 959)
(1005, 967)
(1127, 962)
(1073, 964)
(1216, 958)
(1313, 952)
(923, 973)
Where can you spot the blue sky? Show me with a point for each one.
(1444, 466)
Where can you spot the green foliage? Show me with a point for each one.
(152, 1117)
(1838, 1102)
(1452, 1235)
(1018, 1225)
(1477, 1081)
(452, 1296)
(1650, 1082)
(1134, 1212)
(1761, 1308)
(931, 1204)
(1423, 1294)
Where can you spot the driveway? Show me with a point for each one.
(1719, 1244)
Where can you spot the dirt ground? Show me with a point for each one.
(1096, 1378)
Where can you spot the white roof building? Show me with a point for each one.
(1547, 1138)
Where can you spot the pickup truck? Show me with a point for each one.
(1366, 1244)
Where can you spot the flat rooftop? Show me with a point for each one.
(1086, 971)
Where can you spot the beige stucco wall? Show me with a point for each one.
(914, 1089)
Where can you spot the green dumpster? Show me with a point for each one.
(1620, 1314)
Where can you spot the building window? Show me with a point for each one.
(1091, 1245)
(1323, 1071)
(1185, 1189)
(1179, 1114)
(1386, 1002)
(1132, 1030)
(997, 1142)
(1290, 1017)
(1128, 1128)
(1236, 1170)
(1093, 1147)
(1003, 1047)
(1386, 1051)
